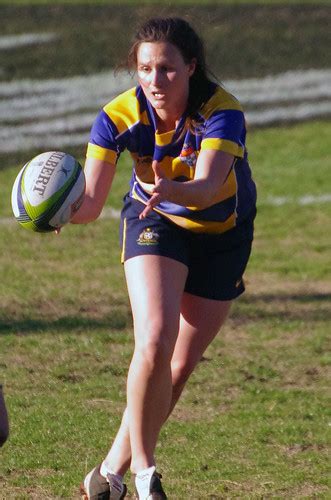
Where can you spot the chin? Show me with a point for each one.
(159, 105)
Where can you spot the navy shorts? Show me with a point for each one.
(216, 262)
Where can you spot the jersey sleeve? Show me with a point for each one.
(112, 129)
(102, 144)
(224, 125)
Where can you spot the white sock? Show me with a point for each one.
(143, 481)
(104, 470)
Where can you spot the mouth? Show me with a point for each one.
(158, 95)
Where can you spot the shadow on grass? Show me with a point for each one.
(66, 324)
(293, 297)
(282, 306)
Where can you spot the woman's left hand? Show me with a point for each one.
(160, 192)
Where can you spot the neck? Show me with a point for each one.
(166, 121)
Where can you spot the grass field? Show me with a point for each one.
(240, 41)
(171, 2)
(254, 421)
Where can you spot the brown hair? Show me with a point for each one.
(177, 31)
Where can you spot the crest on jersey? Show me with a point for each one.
(148, 237)
(188, 155)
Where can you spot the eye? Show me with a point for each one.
(144, 68)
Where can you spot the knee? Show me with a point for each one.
(155, 347)
(156, 353)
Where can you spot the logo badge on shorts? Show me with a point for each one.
(148, 237)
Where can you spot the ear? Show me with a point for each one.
(191, 66)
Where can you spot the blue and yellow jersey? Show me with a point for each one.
(129, 122)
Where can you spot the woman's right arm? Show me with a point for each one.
(99, 177)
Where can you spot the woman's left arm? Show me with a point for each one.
(211, 171)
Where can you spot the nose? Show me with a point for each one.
(156, 77)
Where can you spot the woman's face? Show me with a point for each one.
(164, 77)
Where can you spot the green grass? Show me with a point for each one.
(253, 40)
(253, 421)
(295, 166)
(174, 3)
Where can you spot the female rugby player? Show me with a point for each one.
(186, 231)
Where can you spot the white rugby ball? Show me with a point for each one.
(47, 191)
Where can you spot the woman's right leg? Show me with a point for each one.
(156, 286)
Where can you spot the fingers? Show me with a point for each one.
(145, 212)
(153, 201)
(158, 171)
(159, 190)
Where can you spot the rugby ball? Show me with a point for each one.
(47, 191)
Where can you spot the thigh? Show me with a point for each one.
(155, 285)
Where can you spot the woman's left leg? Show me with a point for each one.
(200, 321)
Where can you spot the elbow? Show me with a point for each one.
(95, 214)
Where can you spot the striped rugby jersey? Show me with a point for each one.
(129, 122)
